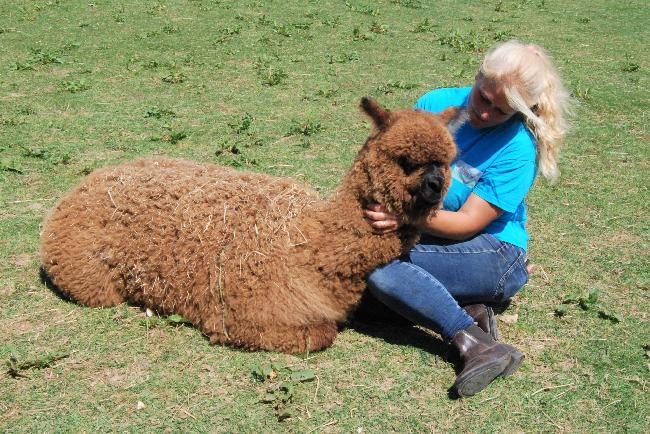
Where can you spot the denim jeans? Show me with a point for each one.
(430, 283)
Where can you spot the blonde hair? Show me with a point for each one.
(532, 87)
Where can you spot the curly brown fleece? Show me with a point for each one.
(252, 260)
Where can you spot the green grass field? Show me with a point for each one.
(273, 86)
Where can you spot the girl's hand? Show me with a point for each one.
(381, 220)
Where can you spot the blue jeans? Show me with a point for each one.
(428, 284)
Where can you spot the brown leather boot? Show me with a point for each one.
(484, 317)
(483, 360)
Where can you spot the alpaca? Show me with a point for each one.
(254, 261)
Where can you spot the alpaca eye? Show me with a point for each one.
(408, 166)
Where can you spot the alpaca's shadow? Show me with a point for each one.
(47, 281)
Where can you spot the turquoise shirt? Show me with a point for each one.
(498, 164)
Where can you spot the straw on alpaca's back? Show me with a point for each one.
(144, 231)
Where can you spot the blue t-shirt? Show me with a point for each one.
(498, 164)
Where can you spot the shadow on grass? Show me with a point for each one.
(373, 318)
(47, 281)
(396, 330)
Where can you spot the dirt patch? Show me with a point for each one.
(22, 326)
(36, 206)
(623, 238)
(62, 72)
(113, 377)
(567, 365)
(125, 377)
(22, 260)
(7, 290)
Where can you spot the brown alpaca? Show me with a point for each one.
(252, 260)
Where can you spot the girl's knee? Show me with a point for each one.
(515, 278)
(384, 280)
(377, 280)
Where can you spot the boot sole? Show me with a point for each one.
(516, 358)
(474, 382)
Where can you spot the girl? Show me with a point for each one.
(473, 251)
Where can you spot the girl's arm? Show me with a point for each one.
(475, 214)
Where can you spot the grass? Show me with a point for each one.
(274, 87)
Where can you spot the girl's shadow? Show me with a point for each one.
(373, 318)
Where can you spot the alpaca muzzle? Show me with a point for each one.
(431, 187)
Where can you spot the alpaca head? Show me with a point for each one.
(406, 159)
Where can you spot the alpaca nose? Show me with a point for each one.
(433, 181)
(432, 184)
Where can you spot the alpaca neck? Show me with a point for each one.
(339, 244)
(347, 248)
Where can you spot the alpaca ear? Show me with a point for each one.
(377, 113)
(448, 114)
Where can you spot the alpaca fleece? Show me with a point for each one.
(253, 261)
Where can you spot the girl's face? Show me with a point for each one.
(488, 106)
